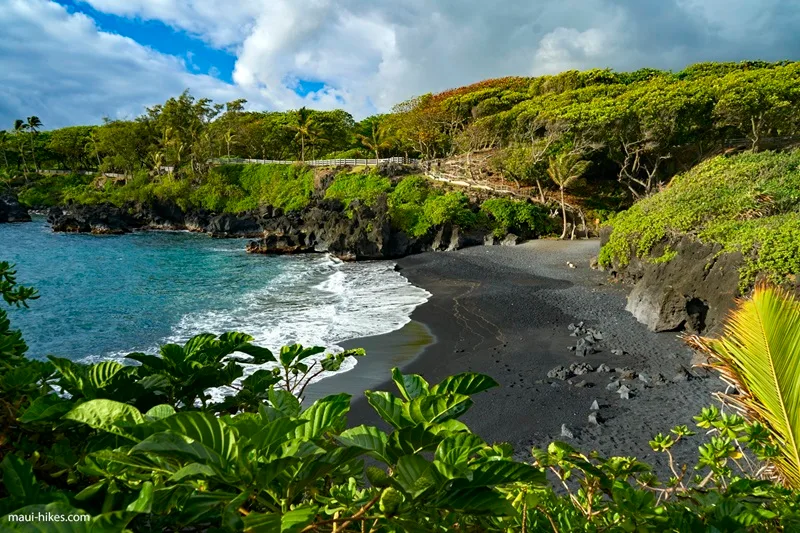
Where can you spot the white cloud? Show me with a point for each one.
(370, 55)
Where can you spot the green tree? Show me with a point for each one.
(306, 129)
(33, 125)
(379, 138)
(20, 128)
(564, 170)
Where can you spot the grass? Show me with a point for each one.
(748, 203)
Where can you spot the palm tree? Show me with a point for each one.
(92, 142)
(377, 140)
(759, 355)
(306, 128)
(20, 128)
(229, 137)
(564, 170)
(33, 126)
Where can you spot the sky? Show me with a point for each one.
(78, 61)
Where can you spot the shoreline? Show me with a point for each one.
(504, 311)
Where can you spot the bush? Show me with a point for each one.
(363, 186)
(521, 217)
(747, 203)
(415, 207)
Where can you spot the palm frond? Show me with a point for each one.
(759, 354)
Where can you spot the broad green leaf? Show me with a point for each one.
(368, 438)
(260, 355)
(160, 411)
(410, 441)
(144, 503)
(106, 415)
(468, 383)
(322, 415)
(19, 480)
(410, 385)
(284, 401)
(275, 432)
(197, 343)
(112, 522)
(457, 449)
(389, 408)
(297, 519)
(416, 475)
(202, 506)
(204, 428)
(46, 408)
(262, 522)
(437, 408)
(480, 500)
(171, 444)
(101, 374)
(151, 361)
(192, 471)
(492, 473)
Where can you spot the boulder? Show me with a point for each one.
(693, 292)
(510, 240)
(11, 210)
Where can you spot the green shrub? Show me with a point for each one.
(415, 207)
(411, 190)
(522, 217)
(747, 203)
(363, 186)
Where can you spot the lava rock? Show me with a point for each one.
(510, 240)
(626, 373)
(580, 368)
(613, 386)
(566, 432)
(11, 210)
(559, 372)
(595, 406)
(603, 368)
(594, 418)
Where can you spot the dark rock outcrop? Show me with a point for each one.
(352, 232)
(102, 219)
(693, 291)
(11, 210)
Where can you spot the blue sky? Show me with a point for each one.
(78, 61)
(155, 34)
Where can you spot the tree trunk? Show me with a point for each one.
(33, 155)
(541, 191)
(302, 149)
(563, 214)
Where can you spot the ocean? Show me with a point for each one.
(102, 297)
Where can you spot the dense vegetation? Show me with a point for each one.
(748, 203)
(145, 448)
(640, 128)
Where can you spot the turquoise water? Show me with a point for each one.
(106, 296)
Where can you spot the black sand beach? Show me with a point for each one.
(504, 311)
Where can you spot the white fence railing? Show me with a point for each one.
(320, 162)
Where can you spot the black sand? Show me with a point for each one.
(504, 311)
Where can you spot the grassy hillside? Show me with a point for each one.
(748, 202)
